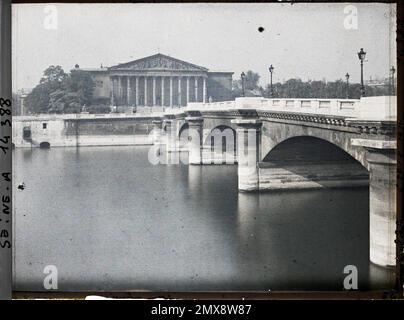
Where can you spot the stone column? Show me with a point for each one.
(145, 91)
(121, 94)
(382, 206)
(137, 91)
(128, 90)
(179, 92)
(195, 139)
(118, 91)
(154, 91)
(171, 91)
(187, 90)
(204, 90)
(112, 89)
(196, 89)
(248, 153)
(162, 91)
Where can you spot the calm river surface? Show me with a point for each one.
(107, 219)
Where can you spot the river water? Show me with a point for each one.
(110, 220)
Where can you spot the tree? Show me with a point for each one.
(251, 80)
(321, 89)
(82, 85)
(53, 75)
(75, 92)
(58, 92)
(38, 100)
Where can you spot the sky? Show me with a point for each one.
(306, 41)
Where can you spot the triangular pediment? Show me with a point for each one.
(158, 62)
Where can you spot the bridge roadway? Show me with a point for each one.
(277, 143)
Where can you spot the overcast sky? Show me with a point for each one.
(307, 41)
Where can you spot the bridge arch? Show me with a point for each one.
(276, 134)
(309, 149)
(226, 136)
(184, 127)
(44, 145)
(305, 162)
(220, 145)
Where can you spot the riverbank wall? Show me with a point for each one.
(82, 130)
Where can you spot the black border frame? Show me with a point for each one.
(397, 293)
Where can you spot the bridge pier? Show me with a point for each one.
(157, 132)
(382, 206)
(170, 136)
(195, 144)
(248, 153)
(159, 146)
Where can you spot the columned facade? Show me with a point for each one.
(152, 90)
(159, 81)
(163, 81)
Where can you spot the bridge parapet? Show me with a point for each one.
(212, 106)
(369, 108)
(378, 108)
(332, 107)
(337, 107)
(381, 108)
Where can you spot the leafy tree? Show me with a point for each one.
(296, 88)
(251, 80)
(58, 92)
(82, 85)
(53, 75)
(76, 91)
(38, 99)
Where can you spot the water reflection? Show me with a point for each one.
(110, 220)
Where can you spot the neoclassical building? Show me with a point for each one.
(159, 80)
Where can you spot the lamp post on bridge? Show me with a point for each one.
(392, 70)
(361, 56)
(271, 90)
(243, 84)
(347, 85)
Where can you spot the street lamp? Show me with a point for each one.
(393, 70)
(271, 90)
(243, 84)
(361, 56)
(347, 85)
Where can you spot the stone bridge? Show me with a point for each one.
(297, 144)
(277, 144)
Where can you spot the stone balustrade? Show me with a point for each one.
(370, 108)
(383, 107)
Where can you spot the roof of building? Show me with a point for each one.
(90, 69)
(220, 71)
(158, 61)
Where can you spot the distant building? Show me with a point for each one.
(159, 80)
(384, 84)
(377, 82)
